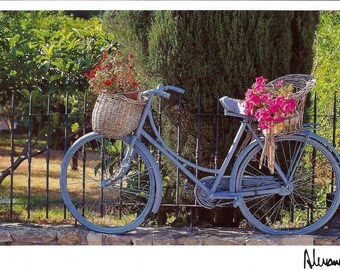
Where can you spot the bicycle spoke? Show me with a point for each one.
(115, 208)
(303, 204)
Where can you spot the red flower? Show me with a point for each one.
(114, 73)
(92, 73)
(108, 82)
(86, 75)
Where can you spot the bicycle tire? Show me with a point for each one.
(313, 199)
(118, 208)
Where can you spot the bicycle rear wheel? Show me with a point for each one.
(115, 208)
(312, 198)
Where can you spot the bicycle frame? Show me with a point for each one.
(182, 163)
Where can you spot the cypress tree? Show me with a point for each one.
(213, 54)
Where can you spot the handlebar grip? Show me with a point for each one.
(163, 94)
(158, 92)
(175, 88)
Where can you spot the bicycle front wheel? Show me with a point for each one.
(313, 195)
(87, 168)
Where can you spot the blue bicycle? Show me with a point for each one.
(115, 184)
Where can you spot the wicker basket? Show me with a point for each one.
(116, 116)
(302, 84)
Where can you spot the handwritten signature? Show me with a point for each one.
(318, 261)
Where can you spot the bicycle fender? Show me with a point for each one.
(312, 135)
(155, 168)
(327, 144)
(232, 185)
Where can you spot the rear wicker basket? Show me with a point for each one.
(116, 116)
(301, 84)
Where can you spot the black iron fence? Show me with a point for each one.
(47, 125)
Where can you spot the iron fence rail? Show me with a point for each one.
(48, 203)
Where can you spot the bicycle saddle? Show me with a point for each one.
(232, 106)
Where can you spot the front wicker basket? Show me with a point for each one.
(116, 116)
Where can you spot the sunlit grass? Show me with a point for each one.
(42, 186)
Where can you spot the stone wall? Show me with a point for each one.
(28, 234)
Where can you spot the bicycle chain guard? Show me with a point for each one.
(203, 198)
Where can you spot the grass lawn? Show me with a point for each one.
(38, 185)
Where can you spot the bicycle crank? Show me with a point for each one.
(203, 198)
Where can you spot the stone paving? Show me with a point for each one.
(30, 234)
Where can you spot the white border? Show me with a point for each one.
(169, 5)
(163, 257)
(160, 257)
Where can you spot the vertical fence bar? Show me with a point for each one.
(83, 154)
(198, 133)
(159, 154)
(12, 157)
(29, 155)
(313, 154)
(85, 112)
(48, 155)
(334, 135)
(178, 150)
(121, 156)
(217, 138)
(66, 123)
(334, 120)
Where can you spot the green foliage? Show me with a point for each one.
(50, 52)
(327, 71)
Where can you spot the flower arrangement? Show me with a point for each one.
(113, 74)
(269, 105)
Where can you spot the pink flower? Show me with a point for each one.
(279, 119)
(255, 99)
(263, 126)
(249, 109)
(267, 108)
(273, 107)
(289, 106)
(280, 100)
(263, 115)
(252, 97)
(266, 98)
(260, 82)
(279, 83)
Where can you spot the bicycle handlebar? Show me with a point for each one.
(175, 88)
(160, 90)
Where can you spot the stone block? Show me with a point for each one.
(146, 240)
(223, 241)
(297, 240)
(190, 241)
(164, 240)
(117, 240)
(263, 241)
(34, 236)
(69, 237)
(95, 239)
(5, 237)
(327, 241)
